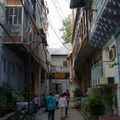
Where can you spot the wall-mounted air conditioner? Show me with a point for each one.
(107, 80)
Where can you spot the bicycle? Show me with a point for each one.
(27, 114)
(24, 115)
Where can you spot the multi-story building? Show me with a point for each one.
(59, 70)
(96, 37)
(23, 45)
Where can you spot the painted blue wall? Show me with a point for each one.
(12, 68)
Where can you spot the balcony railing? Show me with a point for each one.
(103, 69)
(14, 29)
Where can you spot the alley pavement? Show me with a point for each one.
(73, 114)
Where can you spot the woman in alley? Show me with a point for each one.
(51, 106)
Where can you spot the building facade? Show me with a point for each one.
(59, 71)
(96, 34)
(23, 44)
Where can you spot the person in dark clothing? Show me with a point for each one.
(67, 96)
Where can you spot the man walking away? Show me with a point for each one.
(51, 106)
(67, 94)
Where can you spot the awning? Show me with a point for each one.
(77, 4)
(106, 24)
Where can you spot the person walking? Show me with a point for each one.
(36, 104)
(57, 99)
(67, 94)
(62, 104)
(51, 106)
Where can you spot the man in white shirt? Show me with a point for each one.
(62, 105)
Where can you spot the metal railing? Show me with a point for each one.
(103, 69)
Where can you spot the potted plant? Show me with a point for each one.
(7, 101)
(77, 92)
(94, 106)
(2, 108)
(108, 101)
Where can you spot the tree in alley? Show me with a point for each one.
(66, 29)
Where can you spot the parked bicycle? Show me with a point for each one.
(25, 116)
(24, 113)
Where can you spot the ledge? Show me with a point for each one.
(10, 116)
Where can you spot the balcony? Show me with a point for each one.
(81, 48)
(104, 72)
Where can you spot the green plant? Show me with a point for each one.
(94, 105)
(2, 108)
(113, 64)
(77, 92)
(2, 105)
(108, 98)
(7, 100)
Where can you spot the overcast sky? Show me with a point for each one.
(55, 20)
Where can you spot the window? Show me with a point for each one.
(53, 65)
(4, 65)
(64, 63)
(14, 15)
(67, 75)
(12, 67)
(112, 53)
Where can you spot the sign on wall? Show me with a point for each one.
(59, 75)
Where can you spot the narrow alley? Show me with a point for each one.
(55, 52)
(73, 114)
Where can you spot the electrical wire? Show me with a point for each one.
(61, 9)
(58, 37)
(55, 32)
(52, 29)
(9, 34)
(39, 58)
(57, 9)
(61, 19)
(28, 51)
(7, 18)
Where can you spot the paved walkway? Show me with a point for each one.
(72, 115)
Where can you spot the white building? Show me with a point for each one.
(59, 70)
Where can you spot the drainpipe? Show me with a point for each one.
(29, 80)
(87, 20)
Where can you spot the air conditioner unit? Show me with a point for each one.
(107, 80)
(16, 29)
(112, 52)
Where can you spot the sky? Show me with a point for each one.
(58, 10)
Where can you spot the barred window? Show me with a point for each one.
(14, 15)
(65, 64)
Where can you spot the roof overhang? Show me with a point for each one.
(84, 53)
(107, 24)
(77, 4)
